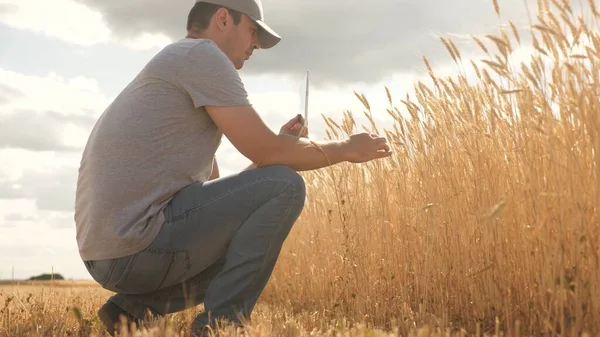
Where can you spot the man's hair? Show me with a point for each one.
(200, 15)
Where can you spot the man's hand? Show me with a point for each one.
(363, 147)
(293, 127)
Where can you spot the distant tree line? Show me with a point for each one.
(47, 277)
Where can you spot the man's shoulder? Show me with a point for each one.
(193, 47)
(193, 53)
(201, 57)
(184, 54)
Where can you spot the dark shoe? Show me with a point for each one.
(200, 330)
(110, 314)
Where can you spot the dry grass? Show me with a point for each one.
(485, 220)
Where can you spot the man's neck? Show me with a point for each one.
(194, 34)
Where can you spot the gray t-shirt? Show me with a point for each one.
(153, 140)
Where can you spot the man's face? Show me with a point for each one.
(243, 39)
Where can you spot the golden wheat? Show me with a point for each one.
(491, 222)
(484, 221)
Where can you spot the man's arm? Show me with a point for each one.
(226, 101)
(251, 136)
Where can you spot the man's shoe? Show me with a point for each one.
(110, 314)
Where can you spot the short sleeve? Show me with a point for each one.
(210, 78)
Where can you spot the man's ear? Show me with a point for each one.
(221, 17)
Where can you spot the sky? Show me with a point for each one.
(63, 61)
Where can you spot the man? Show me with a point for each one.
(156, 224)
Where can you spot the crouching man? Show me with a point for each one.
(156, 224)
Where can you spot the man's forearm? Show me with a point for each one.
(302, 154)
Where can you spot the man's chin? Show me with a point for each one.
(240, 65)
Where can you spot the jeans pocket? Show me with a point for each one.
(101, 270)
(152, 269)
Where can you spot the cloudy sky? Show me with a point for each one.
(63, 61)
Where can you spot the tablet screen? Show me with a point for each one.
(304, 91)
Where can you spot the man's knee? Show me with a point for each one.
(295, 192)
(292, 177)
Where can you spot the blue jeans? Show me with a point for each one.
(218, 246)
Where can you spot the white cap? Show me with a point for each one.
(267, 37)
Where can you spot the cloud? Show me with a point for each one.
(69, 96)
(39, 250)
(11, 190)
(13, 220)
(34, 241)
(340, 43)
(23, 131)
(52, 190)
(18, 217)
(48, 113)
(70, 21)
(32, 181)
(65, 19)
(61, 220)
(17, 212)
(8, 93)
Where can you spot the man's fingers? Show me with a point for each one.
(384, 154)
(382, 147)
(381, 142)
(294, 127)
(305, 133)
(292, 121)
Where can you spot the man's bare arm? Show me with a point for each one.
(251, 136)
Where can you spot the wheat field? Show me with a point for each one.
(483, 222)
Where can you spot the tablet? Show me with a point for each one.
(304, 91)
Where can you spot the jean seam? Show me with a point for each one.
(173, 255)
(186, 262)
(173, 252)
(162, 250)
(127, 271)
(185, 213)
(110, 271)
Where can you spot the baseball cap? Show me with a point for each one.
(267, 37)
